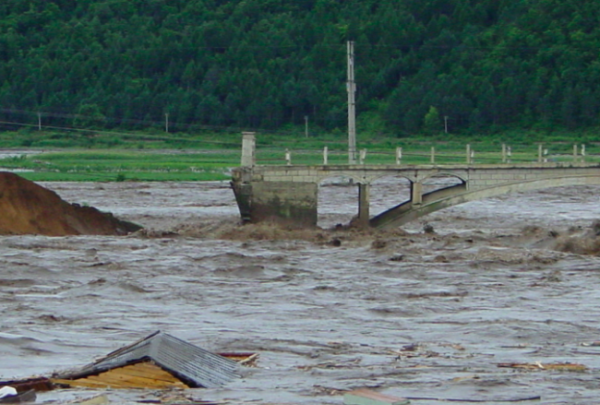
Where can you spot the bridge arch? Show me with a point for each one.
(406, 212)
(334, 193)
(397, 187)
(389, 187)
(462, 176)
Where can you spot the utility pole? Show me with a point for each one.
(351, 106)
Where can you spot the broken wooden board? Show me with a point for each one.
(37, 384)
(364, 396)
(546, 366)
(243, 359)
(97, 400)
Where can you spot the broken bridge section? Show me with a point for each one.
(288, 194)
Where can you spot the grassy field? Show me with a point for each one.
(112, 156)
(122, 165)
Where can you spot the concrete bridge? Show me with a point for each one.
(289, 194)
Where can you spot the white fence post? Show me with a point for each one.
(363, 155)
(398, 155)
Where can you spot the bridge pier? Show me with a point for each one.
(364, 202)
(292, 204)
(416, 192)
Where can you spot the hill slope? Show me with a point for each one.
(484, 64)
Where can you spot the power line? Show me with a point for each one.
(124, 134)
(157, 124)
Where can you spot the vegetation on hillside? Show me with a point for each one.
(474, 65)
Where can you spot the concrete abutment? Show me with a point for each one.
(292, 204)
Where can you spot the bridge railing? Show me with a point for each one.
(437, 154)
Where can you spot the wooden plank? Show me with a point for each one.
(81, 383)
(150, 373)
(116, 382)
(154, 370)
(136, 375)
(140, 375)
(107, 383)
(115, 376)
(149, 370)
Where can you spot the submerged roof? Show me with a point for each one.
(192, 364)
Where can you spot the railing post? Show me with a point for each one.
(288, 157)
(540, 151)
(398, 155)
(363, 155)
(575, 153)
(583, 153)
(503, 153)
(432, 155)
(508, 154)
(325, 155)
(468, 154)
(248, 149)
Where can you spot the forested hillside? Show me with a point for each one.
(486, 65)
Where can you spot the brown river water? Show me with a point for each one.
(512, 279)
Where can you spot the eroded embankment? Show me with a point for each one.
(27, 208)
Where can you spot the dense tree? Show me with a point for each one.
(484, 64)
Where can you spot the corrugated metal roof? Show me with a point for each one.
(193, 365)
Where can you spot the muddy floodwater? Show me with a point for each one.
(513, 279)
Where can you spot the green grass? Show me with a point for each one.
(123, 176)
(210, 156)
(113, 165)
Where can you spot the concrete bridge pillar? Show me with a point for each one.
(292, 204)
(416, 192)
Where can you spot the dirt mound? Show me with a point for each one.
(27, 208)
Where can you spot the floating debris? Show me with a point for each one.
(10, 395)
(159, 361)
(364, 396)
(546, 366)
